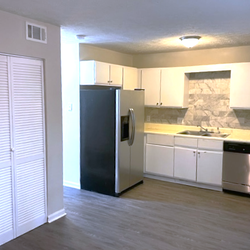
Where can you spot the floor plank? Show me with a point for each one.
(154, 215)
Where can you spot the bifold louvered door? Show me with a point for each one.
(6, 170)
(26, 175)
(28, 133)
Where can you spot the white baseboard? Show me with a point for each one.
(57, 215)
(71, 184)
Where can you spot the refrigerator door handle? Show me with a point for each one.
(132, 135)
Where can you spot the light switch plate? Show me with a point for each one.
(70, 107)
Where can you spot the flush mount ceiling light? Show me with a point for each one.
(190, 41)
(80, 37)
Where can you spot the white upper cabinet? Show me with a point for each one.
(100, 73)
(240, 86)
(130, 78)
(174, 88)
(115, 75)
(151, 82)
(167, 87)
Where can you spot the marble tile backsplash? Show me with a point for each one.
(209, 94)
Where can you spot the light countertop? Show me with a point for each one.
(159, 128)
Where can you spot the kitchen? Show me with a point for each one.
(212, 112)
(70, 109)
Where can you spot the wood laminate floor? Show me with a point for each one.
(154, 215)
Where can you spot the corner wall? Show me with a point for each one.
(70, 100)
(88, 52)
(13, 41)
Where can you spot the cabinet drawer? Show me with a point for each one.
(209, 144)
(187, 142)
(165, 140)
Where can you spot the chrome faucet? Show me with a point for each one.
(202, 128)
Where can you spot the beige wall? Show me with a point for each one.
(88, 52)
(193, 57)
(168, 59)
(13, 41)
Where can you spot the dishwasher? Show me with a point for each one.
(236, 167)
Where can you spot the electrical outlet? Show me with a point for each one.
(148, 118)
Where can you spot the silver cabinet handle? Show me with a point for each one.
(12, 149)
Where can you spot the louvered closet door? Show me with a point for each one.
(6, 188)
(28, 131)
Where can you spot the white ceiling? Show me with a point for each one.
(144, 26)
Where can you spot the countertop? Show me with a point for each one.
(159, 128)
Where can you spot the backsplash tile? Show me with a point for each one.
(209, 94)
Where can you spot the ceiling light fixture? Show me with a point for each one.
(190, 41)
(80, 37)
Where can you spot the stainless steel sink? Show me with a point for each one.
(211, 134)
(190, 132)
(203, 133)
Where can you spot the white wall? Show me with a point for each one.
(13, 41)
(70, 98)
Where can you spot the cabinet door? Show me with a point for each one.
(209, 167)
(6, 176)
(87, 72)
(239, 86)
(150, 79)
(101, 73)
(159, 159)
(130, 78)
(28, 133)
(115, 77)
(185, 163)
(174, 87)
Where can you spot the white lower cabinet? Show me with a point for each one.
(159, 159)
(198, 160)
(184, 158)
(159, 155)
(185, 163)
(209, 167)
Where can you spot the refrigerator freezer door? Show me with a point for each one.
(97, 140)
(129, 153)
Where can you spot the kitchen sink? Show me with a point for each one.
(203, 133)
(212, 134)
(190, 132)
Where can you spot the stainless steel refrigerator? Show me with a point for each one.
(111, 139)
